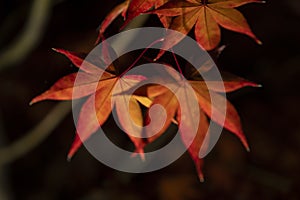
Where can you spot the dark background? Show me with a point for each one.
(269, 114)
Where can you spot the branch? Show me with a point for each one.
(29, 37)
(35, 136)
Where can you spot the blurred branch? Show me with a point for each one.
(5, 190)
(35, 136)
(9, 24)
(29, 37)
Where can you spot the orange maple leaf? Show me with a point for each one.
(89, 83)
(206, 16)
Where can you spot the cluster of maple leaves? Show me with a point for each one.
(206, 16)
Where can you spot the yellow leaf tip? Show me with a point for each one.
(248, 149)
(69, 158)
(70, 155)
(201, 179)
(143, 157)
(58, 50)
(139, 152)
(259, 42)
(33, 101)
(245, 144)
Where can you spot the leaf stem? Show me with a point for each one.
(141, 55)
(177, 63)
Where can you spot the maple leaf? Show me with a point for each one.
(120, 9)
(103, 88)
(195, 147)
(137, 7)
(163, 96)
(206, 16)
(129, 10)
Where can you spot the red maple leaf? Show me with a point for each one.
(137, 7)
(120, 9)
(129, 10)
(206, 16)
(163, 96)
(104, 95)
(89, 83)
